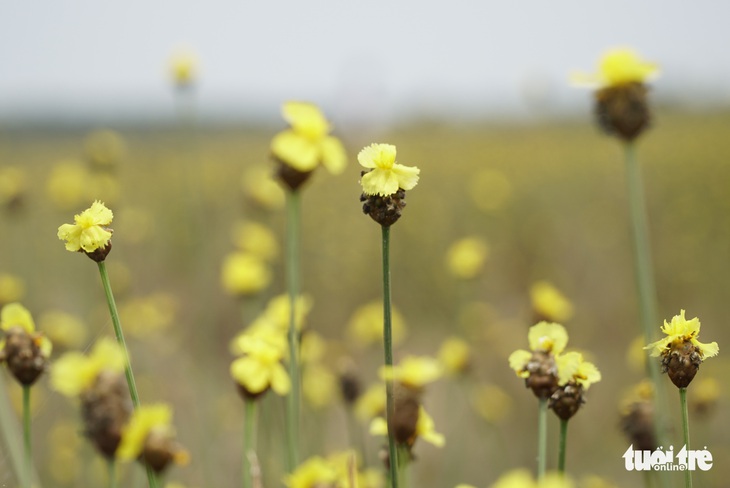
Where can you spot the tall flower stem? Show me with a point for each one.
(293, 220)
(26, 435)
(563, 442)
(119, 333)
(10, 435)
(685, 431)
(542, 438)
(404, 467)
(112, 472)
(249, 442)
(645, 280)
(388, 349)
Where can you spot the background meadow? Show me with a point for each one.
(547, 196)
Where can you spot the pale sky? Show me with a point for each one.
(377, 58)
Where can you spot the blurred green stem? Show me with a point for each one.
(404, 466)
(563, 442)
(541, 438)
(685, 431)
(26, 435)
(388, 349)
(293, 211)
(112, 470)
(249, 441)
(355, 434)
(119, 333)
(10, 436)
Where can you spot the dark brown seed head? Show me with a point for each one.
(638, 425)
(101, 253)
(682, 363)
(105, 409)
(291, 177)
(543, 379)
(566, 400)
(623, 110)
(23, 355)
(160, 450)
(384, 210)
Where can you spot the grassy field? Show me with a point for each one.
(548, 198)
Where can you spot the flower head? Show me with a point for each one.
(315, 472)
(261, 367)
(366, 324)
(681, 352)
(89, 231)
(244, 273)
(307, 142)
(617, 67)
(74, 373)
(549, 303)
(575, 375)
(414, 372)
(454, 355)
(537, 366)
(24, 350)
(184, 67)
(386, 176)
(466, 257)
(424, 429)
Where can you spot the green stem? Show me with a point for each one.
(249, 442)
(685, 431)
(26, 435)
(10, 435)
(541, 438)
(388, 347)
(355, 434)
(112, 470)
(404, 466)
(563, 441)
(293, 210)
(119, 333)
(645, 282)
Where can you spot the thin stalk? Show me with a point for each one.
(541, 438)
(293, 402)
(249, 442)
(388, 349)
(112, 470)
(355, 435)
(404, 467)
(26, 435)
(685, 431)
(119, 333)
(10, 435)
(561, 448)
(645, 281)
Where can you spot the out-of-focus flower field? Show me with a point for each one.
(543, 202)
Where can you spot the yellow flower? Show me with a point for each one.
(465, 258)
(74, 373)
(366, 324)
(680, 331)
(414, 371)
(491, 402)
(67, 185)
(12, 288)
(490, 189)
(16, 315)
(307, 143)
(260, 368)
(64, 329)
(256, 239)
(276, 314)
(104, 148)
(313, 348)
(315, 472)
(12, 184)
(618, 67)
(573, 368)
(454, 355)
(89, 231)
(267, 338)
(549, 303)
(521, 478)
(244, 274)
(386, 176)
(259, 185)
(371, 403)
(147, 421)
(183, 67)
(319, 385)
(546, 337)
(425, 428)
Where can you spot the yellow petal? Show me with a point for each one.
(295, 150)
(379, 182)
(280, 382)
(377, 156)
(548, 337)
(378, 426)
(707, 350)
(407, 176)
(94, 238)
(518, 360)
(306, 119)
(16, 315)
(99, 213)
(334, 157)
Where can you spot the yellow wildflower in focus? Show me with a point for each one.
(64, 329)
(315, 472)
(16, 315)
(465, 258)
(573, 368)
(67, 184)
(308, 143)
(12, 185)
(491, 402)
(522, 478)
(414, 371)
(259, 186)
(425, 429)
(12, 288)
(183, 67)
(244, 274)
(256, 239)
(74, 373)
(549, 303)
(371, 403)
(386, 176)
(618, 67)
(546, 337)
(148, 315)
(454, 355)
(319, 385)
(89, 231)
(104, 148)
(365, 326)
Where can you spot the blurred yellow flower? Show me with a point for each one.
(260, 368)
(148, 315)
(259, 186)
(635, 354)
(64, 329)
(489, 189)
(365, 326)
(425, 429)
(414, 371)
(465, 258)
(12, 185)
(491, 402)
(147, 421)
(276, 314)
(371, 403)
(313, 348)
(315, 472)
(102, 186)
(12, 288)
(573, 368)
(89, 232)
(67, 184)
(522, 478)
(73, 373)
(319, 385)
(549, 303)
(134, 224)
(104, 148)
(618, 66)
(386, 176)
(244, 274)
(257, 239)
(16, 315)
(454, 355)
(255, 338)
(679, 332)
(183, 67)
(307, 143)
